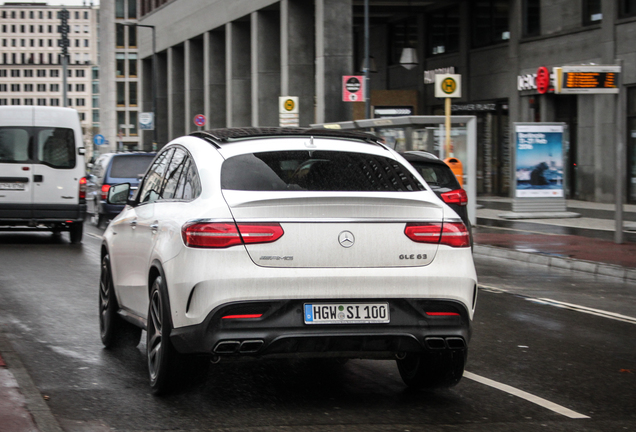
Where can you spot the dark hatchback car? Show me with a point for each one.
(442, 181)
(110, 169)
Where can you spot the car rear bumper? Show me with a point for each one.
(30, 215)
(280, 331)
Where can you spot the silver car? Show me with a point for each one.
(287, 243)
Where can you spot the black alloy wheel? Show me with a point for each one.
(113, 330)
(162, 357)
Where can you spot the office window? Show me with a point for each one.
(95, 101)
(86, 29)
(79, 73)
(132, 9)
(69, 87)
(3, 88)
(121, 121)
(22, 14)
(15, 101)
(41, 87)
(3, 73)
(31, 29)
(95, 116)
(55, 102)
(28, 73)
(31, 15)
(41, 73)
(69, 102)
(15, 87)
(80, 102)
(531, 18)
(132, 93)
(4, 42)
(489, 22)
(4, 28)
(3, 101)
(85, 15)
(13, 14)
(41, 29)
(41, 42)
(132, 36)
(32, 42)
(120, 9)
(55, 87)
(13, 42)
(119, 36)
(121, 94)
(15, 73)
(132, 65)
(96, 87)
(54, 73)
(50, 29)
(95, 73)
(28, 101)
(76, 14)
(120, 62)
(133, 123)
(42, 102)
(22, 29)
(82, 116)
(41, 15)
(627, 8)
(28, 87)
(86, 43)
(50, 42)
(50, 15)
(77, 43)
(80, 87)
(443, 31)
(23, 42)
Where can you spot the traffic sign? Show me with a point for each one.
(353, 88)
(288, 111)
(448, 86)
(99, 139)
(199, 120)
(147, 121)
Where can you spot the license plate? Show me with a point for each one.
(12, 186)
(346, 313)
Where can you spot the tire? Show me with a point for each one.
(113, 330)
(163, 359)
(432, 370)
(76, 230)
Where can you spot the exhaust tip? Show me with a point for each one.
(250, 346)
(455, 343)
(435, 343)
(227, 347)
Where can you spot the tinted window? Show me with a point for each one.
(316, 171)
(54, 146)
(189, 185)
(173, 174)
(153, 183)
(437, 176)
(130, 166)
(14, 145)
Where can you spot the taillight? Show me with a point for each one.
(452, 234)
(82, 188)
(105, 189)
(458, 196)
(223, 235)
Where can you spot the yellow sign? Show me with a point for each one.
(449, 85)
(289, 105)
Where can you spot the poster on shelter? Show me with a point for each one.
(539, 171)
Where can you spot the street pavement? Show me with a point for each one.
(584, 243)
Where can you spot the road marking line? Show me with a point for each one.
(525, 395)
(563, 305)
(98, 237)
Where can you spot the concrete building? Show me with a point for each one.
(30, 64)
(119, 83)
(230, 60)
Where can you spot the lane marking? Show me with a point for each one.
(563, 305)
(525, 395)
(98, 237)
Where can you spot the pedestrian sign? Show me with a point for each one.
(448, 86)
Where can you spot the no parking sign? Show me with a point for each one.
(353, 88)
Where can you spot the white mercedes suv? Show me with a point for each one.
(292, 242)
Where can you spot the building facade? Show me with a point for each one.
(30, 58)
(232, 60)
(119, 84)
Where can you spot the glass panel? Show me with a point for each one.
(56, 147)
(119, 35)
(119, 9)
(121, 94)
(132, 9)
(132, 36)
(14, 145)
(133, 123)
(132, 93)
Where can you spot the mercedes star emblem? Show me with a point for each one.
(346, 239)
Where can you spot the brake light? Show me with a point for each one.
(105, 189)
(82, 188)
(242, 316)
(458, 196)
(223, 235)
(452, 234)
(442, 314)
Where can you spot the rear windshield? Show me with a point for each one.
(50, 146)
(130, 166)
(316, 171)
(437, 176)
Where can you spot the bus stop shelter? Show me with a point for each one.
(427, 133)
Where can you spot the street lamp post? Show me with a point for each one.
(154, 81)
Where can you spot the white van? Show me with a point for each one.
(42, 171)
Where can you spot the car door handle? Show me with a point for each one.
(37, 178)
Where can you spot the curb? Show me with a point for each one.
(35, 404)
(601, 269)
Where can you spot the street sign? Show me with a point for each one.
(448, 86)
(99, 139)
(147, 121)
(199, 120)
(288, 111)
(352, 88)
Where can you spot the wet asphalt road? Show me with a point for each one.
(583, 363)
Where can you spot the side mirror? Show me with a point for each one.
(118, 194)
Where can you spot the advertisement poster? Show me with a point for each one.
(539, 171)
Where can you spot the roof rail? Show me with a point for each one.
(226, 135)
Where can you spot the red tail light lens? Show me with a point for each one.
(458, 196)
(82, 188)
(105, 189)
(223, 235)
(452, 234)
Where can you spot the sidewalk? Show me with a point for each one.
(584, 243)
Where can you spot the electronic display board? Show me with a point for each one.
(588, 79)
